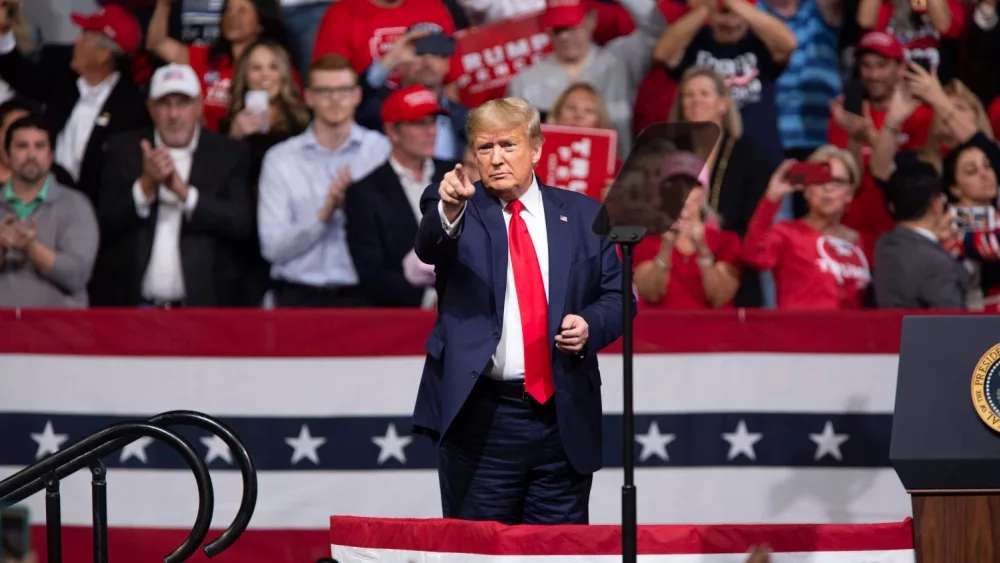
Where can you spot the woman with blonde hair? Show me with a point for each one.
(275, 113)
(817, 262)
(736, 171)
(580, 105)
(265, 66)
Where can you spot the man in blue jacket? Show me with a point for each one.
(527, 296)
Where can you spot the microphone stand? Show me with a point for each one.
(627, 237)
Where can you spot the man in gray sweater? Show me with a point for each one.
(614, 70)
(48, 232)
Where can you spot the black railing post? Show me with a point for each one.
(53, 518)
(99, 496)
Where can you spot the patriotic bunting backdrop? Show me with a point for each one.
(449, 541)
(754, 417)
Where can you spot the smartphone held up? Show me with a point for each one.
(808, 173)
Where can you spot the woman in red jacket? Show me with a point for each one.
(817, 262)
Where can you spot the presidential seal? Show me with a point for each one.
(986, 388)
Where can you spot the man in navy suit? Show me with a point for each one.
(527, 296)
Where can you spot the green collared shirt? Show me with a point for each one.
(22, 209)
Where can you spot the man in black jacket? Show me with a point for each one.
(383, 208)
(174, 202)
(87, 100)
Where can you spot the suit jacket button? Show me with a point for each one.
(496, 336)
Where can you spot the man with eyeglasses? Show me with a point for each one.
(303, 182)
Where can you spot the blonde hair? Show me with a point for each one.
(603, 121)
(931, 151)
(826, 153)
(732, 122)
(289, 99)
(505, 113)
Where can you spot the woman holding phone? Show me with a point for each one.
(817, 262)
(241, 23)
(265, 109)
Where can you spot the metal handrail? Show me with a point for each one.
(169, 419)
(50, 470)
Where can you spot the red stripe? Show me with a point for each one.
(490, 538)
(151, 544)
(394, 332)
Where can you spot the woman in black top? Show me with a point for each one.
(264, 67)
(738, 171)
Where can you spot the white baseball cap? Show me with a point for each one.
(174, 79)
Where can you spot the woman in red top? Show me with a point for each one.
(694, 265)
(817, 262)
(581, 105)
(242, 22)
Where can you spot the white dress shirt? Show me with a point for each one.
(508, 360)
(164, 277)
(413, 187)
(72, 140)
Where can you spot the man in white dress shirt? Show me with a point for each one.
(87, 99)
(527, 296)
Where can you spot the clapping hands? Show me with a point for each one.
(16, 235)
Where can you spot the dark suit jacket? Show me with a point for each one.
(220, 222)
(585, 279)
(381, 228)
(369, 114)
(914, 272)
(51, 82)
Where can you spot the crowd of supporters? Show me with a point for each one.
(272, 153)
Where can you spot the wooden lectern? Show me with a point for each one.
(944, 452)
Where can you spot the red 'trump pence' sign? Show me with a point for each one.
(492, 54)
(578, 159)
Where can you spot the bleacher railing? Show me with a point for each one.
(88, 452)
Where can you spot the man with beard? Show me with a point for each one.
(881, 64)
(48, 232)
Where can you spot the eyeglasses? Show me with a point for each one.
(333, 92)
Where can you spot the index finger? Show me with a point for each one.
(784, 166)
(459, 172)
(416, 34)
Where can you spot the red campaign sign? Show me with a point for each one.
(578, 158)
(492, 54)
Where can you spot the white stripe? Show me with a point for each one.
(400, 556)
(306, 499)
(388, 386)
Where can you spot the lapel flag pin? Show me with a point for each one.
(563, 219)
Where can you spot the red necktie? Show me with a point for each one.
(533, 306)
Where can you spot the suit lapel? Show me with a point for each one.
(198, 176)
(490, 213)
(557, 229)
(396, 201)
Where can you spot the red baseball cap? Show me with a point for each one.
(115, 23)
(880, 43)
(412, 103)
(565, 13)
